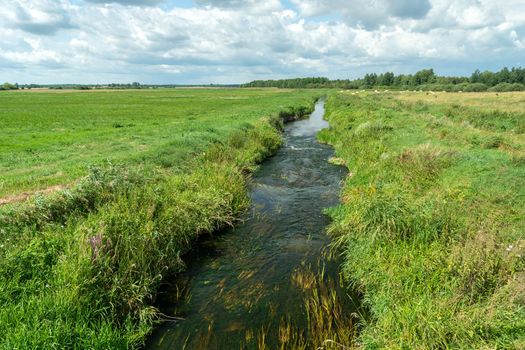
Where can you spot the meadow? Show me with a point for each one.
(50, 137)
(142, 175)
(431, 223)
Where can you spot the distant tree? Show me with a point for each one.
(387, 79)
(489, 78)
(504, 76)
(517, 75)
(475, 77)
(9, 86)
(370, 80)
(424, 79)
(424, 76)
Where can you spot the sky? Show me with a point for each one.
(235, 41)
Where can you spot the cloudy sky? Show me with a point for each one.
(233, 41)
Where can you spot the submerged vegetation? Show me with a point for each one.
(432, 220)
(328, 325)
(80, 268)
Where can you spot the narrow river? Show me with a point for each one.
(246, 287)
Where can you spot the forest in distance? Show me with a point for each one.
(505, 80)
(426, 80)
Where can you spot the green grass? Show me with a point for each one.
(50, 138)
(432, 222)
(80, 268)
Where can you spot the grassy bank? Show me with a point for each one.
(80, 268)
(432, 221)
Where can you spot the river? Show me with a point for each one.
(245, 285)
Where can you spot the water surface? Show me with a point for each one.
(241, 281)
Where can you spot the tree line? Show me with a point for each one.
(425, 79)
(9, 86)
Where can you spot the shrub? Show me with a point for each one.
(506, 87)
(476, 87)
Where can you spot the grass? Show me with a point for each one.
(430, 226)
(432, 221)
(80, 268)
(50, 138)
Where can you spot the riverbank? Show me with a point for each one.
(268, 283)
(432, 221)
(80, 269)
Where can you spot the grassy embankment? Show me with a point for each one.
(432, 223)
(79, 268)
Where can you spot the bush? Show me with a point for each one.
(506, 87)
(437, 87)
(295, 113)
(476, 87)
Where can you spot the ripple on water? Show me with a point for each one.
(252, 285)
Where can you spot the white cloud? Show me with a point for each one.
(518, 42)
(370, 13)
(44, 17)
(234, 41)
(128, 2)
(256, 6)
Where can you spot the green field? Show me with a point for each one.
(79, 268)
(432, 224)
(49, 138)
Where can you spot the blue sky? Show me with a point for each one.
(233, 41)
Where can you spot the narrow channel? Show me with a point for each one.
(242, 285)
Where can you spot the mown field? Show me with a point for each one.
(432, 220)
(50, 138)
(79, 267)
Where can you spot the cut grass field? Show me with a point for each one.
(50, 138)
(80, 268)
(432, 224)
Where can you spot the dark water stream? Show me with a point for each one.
(243, 284)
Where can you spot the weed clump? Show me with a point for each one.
(489, 141)
(295, 113)
(372, 129)
(423, 163)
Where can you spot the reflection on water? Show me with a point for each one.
(241, 285)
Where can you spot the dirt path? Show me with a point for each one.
(25, 195)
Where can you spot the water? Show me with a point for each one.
(243, 283)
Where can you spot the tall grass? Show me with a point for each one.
(432, 222)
